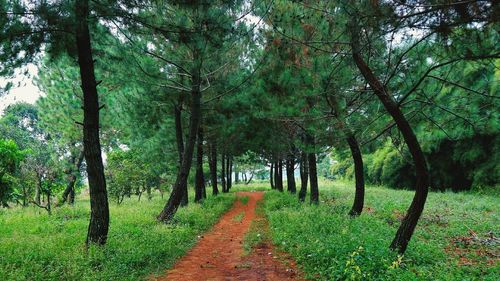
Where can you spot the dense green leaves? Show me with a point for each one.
(10, 156)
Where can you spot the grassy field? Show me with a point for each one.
(455, 238)
(35, 246)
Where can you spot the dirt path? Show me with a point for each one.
(219, 255)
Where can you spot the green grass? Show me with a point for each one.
(35, 246)
(329, 245)
(239, 217)
(244, 199)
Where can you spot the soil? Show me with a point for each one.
(219, 254)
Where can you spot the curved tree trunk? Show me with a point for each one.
(304, 175)
(174, 201)
(213, 168)
(199, 177)
(290, 175)
(359, 196)
(99, 209)
(180, 145)
(405, 231)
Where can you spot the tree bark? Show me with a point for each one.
(199, 177)
(359, 196)
(69, 193)
(290, 175)
(99, 209)
(304, 175)
(180, 145)
(213, 168)
(405, 231)
(174, 201)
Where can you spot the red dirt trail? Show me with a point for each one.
(219, 254)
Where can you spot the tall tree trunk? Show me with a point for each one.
(359, 196)
(223, 173)
(231, 172)
(304, 175)
(99, 209)
(174, 201)
(49, 206)
(69, 193)
(271, 176)
(180, 145)
(228, 173)
(279, 175)
(213, 168)
(290, 175)
(199, 177)
(313, 178)
(405, 231)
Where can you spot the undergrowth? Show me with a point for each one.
(456, 238)
(35, 246)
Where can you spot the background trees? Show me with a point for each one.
(11, 156)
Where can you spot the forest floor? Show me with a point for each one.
(220, 253)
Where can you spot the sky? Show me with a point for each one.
(24, 89)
